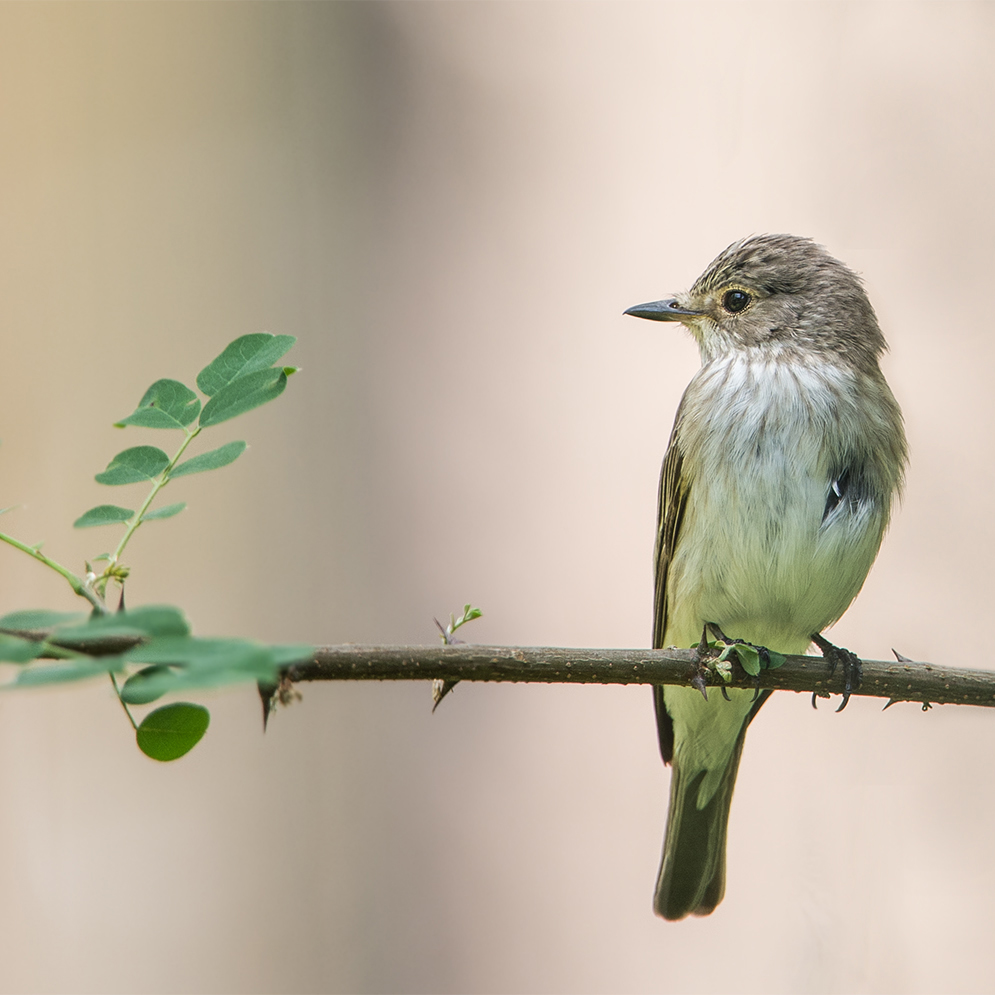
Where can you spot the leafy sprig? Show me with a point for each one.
(56, 647)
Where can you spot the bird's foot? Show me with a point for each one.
(762, 655)
(703, 659)
(834, 656)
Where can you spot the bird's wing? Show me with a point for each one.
(670, 514)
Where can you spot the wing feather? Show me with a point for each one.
(670, 514)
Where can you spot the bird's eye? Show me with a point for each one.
(736, 301)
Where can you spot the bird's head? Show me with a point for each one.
(780, 295)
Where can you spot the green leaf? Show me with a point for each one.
(133, 466)
(247, 354)
(207, 655)
(137, 690)
(138, 623)
(38, 619)
(243, 395)
(173, 730)
(213, 460)
(103, 514)
(165, 512)
(154, 620)
(204, 663)
(13, 649)
(166, 404)
(66, 670)
(284, 656)
(749, 658)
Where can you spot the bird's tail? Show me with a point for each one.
(693, 873)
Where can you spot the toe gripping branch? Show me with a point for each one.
(836, 655)
(703, 655)
(707, 654)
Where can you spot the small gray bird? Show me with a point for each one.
(785, 458)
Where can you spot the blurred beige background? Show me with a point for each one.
(451, 205)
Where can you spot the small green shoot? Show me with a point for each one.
(441, 688)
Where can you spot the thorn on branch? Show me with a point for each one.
(271, 695)
(267, 695)
(440, 689)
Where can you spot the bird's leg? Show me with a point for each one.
(834, 655)
(762, 652)
(700, 665)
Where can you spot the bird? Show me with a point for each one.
(786, 457)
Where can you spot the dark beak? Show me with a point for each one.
(668, 310)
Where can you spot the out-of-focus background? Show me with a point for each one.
(451, 205)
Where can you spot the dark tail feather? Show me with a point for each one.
(692, 876)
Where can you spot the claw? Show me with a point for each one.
(834, 655)
(700, 668)
(818, 694)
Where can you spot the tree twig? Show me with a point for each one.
(902, 680)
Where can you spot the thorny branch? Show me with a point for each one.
(901, 680)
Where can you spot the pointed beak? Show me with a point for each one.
(668, 310)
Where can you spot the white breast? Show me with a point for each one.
(759, 437)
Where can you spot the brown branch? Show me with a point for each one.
(899, 681)
(903, 680)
